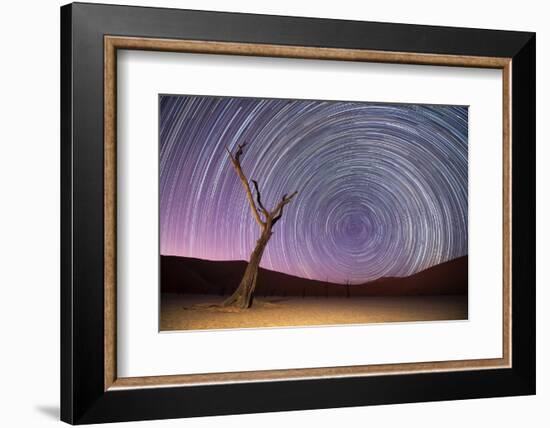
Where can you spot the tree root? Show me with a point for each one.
(210, 307)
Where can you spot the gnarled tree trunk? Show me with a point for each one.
(244, 294)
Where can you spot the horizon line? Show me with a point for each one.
(312, 279)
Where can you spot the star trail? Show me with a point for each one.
(383, 188)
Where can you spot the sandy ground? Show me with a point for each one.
(178, 313)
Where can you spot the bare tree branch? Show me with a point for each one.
(277, 217)
(235, 160)
(259, 199)
(239, 152)
(278, 211)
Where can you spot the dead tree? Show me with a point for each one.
(266, 219)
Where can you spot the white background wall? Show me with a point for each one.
(29, 214)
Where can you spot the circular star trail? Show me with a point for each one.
(382, 188)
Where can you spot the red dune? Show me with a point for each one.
(184, 275)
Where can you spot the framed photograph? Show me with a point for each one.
(348, 249)
(265, 213)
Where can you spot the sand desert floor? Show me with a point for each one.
(179, 312)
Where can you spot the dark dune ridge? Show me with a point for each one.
(185, 275)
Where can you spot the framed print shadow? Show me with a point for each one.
(266, 213)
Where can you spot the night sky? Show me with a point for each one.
(383, 188)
